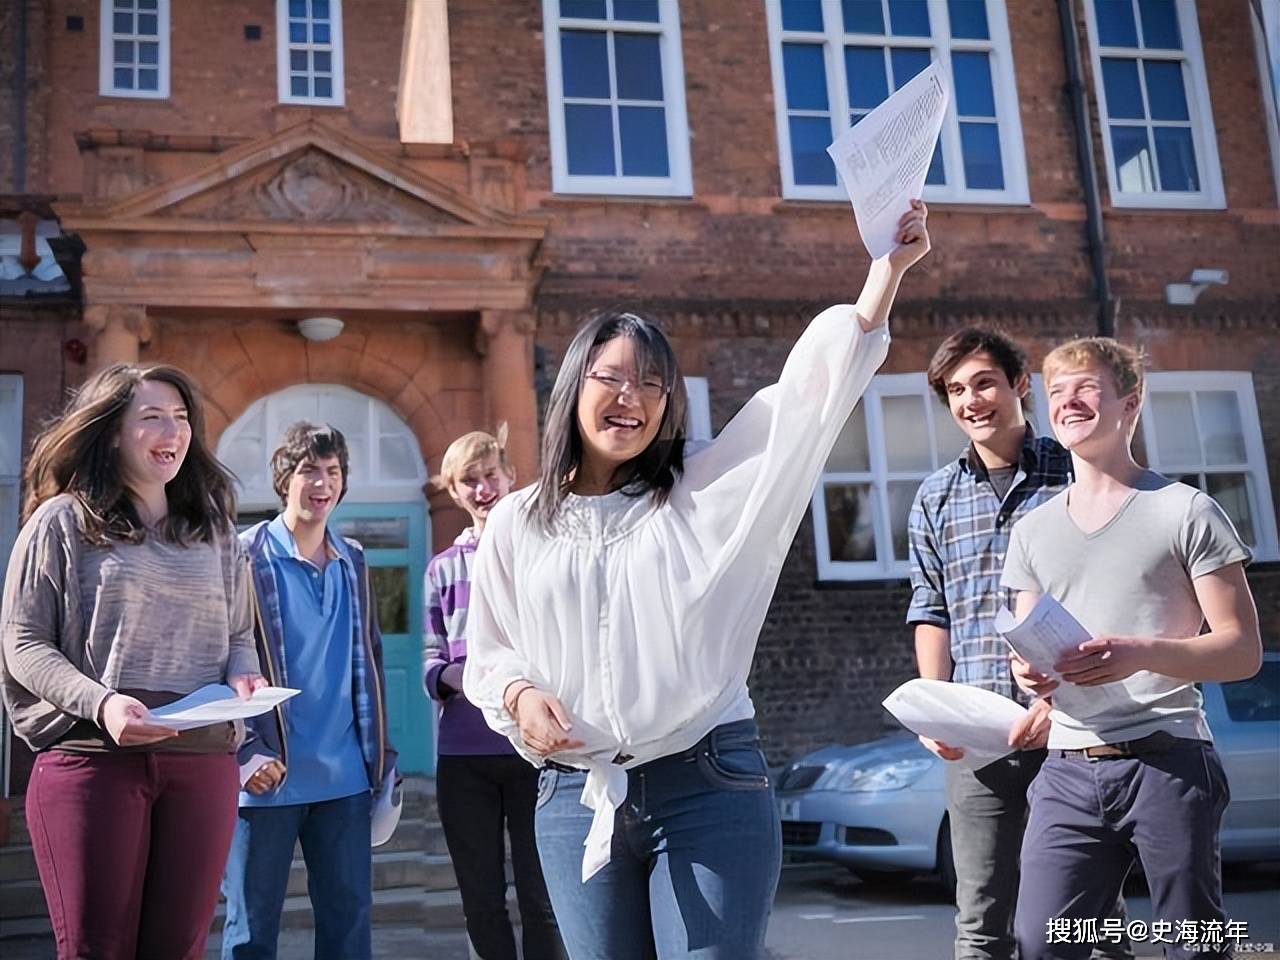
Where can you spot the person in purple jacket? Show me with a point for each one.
(481, 782)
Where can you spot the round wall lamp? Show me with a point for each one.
(320, 329)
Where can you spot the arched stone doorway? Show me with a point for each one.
(384, 509)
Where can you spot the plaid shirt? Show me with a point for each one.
(959, 535)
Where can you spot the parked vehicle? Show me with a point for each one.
(880, 808)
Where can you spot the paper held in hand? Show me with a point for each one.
(974, 719)
(884, 158)
(216, 703)
(1043, 635)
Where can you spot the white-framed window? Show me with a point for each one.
(385, 459)
(833, 61)
(1153, 103)
(1266, 38)
(615, 95)
(698, 426)
(898, 434)
(309, 66)
(10, 463)
(1201, 427)
(133, 49)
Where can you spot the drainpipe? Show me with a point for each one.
(1088, 172)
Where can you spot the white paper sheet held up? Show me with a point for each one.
(884, 159)
(959, 715)
(1043, 635)
(217, 703)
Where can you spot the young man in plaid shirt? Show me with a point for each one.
(959, 532)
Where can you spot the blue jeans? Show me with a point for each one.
(694, 865)
(335, 845)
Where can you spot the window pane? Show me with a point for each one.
(909, 18)
(391, 591)
(906, 64)
(639, 66)
(8, 519)
(298, 87)
(806, 77)
(644, 141)
(980, 146)
(324, 87)
(123, 77)
(586, 9)
(122, 23)
(148, 79)
(297, 8)
(584, 62)
(937, 174)
(1160, 24)
(1165, 92)
(645, 11)
(862, 16)
(376, 533)
(588, 134)
(147, 24)
(810, 162)
(801, 15)
(1123, 91)
(298, 61)
(11, 434)
(851, 531)
(906, 444)
(1115, 23)
(1223, 433)
(974, 95)
(297, 32)
(1176, 154)
(1231, 490)
(951, 441)
(1133, 159)
(901, 495)
(865, 75)
(1177, 442)
(851, 453)
(320, 33)
(123, 51)
(397, 459)
(320, 9)
(146, 4)
(968, 19)
(323, 61)
(148, 53)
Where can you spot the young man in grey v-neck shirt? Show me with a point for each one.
(1144, 563)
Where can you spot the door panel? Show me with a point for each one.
(394, 536)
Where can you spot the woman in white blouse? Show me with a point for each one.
(615, 610)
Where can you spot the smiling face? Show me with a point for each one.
(619, 407)
(1087, 411)
(482, 484)
(315, 487)
(984, 404)
(154, 436)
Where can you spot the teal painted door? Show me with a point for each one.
(394, 536)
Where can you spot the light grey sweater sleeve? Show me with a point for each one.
(242, 651)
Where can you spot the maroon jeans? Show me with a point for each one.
(131, 848)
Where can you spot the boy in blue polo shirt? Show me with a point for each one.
(311, 768)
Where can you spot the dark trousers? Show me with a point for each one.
(987, 810)
(1091, 819)
(477, 795)
(334, 835)
(130, 849)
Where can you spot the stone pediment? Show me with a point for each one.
(312, 175)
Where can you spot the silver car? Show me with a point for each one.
(880, 808)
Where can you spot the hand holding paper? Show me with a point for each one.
(979, 721)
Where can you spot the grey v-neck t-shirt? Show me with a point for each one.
(1131, 577)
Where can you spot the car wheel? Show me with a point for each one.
(946, 859)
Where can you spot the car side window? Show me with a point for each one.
(1257, 699)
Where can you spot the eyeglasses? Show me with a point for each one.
(647, 389)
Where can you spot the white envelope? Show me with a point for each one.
(386, 811)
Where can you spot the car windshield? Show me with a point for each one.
(1256, 699)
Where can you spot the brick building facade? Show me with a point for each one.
(230, 169)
